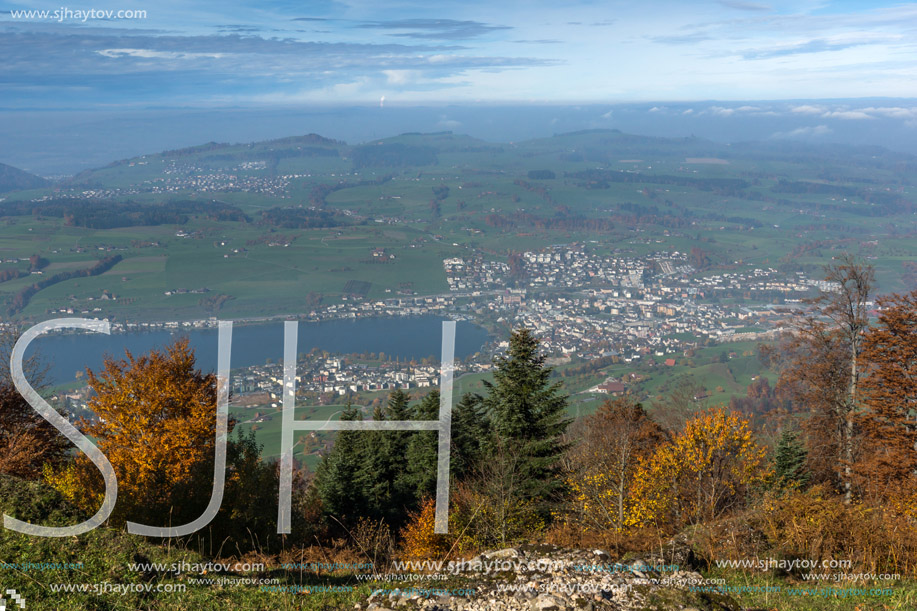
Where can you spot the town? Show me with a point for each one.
(581, 304)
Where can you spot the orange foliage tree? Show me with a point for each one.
(821, 365)
(705, 471)
(27, 441)
(601, 467)
(155, 421)
(887, 463)
(418, 541)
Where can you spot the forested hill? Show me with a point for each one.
(14, 179)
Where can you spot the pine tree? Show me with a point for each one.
(528, 416)
(790, 462)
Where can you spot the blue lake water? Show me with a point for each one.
(405, 337)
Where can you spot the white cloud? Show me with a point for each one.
(808, 109)
(721, 111)
(400, 77)
(150, 54)
(846, 114)
(802, 132)
(893, 112)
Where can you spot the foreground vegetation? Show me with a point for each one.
(808, 485)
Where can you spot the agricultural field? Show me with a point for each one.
(261, 229)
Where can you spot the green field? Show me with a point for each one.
(780, 210)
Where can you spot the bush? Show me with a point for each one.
(816, 524)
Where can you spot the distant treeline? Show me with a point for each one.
(541, 175)
(562, 223)
(601, 179)
(273, 156)
(883, 202)
(322, 190)
(310, 139)
(394, 155)
(303, 218)
(12, 274)
(194, 150)
(104, 214)
(22, 298)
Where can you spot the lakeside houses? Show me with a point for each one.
(580, 304)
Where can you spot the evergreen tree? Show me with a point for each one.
(337, 474)
(528, 417)
(790, 462)
(373, 482)
(418, 478)
(470, 429)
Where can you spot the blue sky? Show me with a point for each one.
(265, 53)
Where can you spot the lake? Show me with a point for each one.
(405, 337)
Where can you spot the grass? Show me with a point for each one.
(769, 592)
(101, 558)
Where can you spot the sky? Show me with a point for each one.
(280, 52)
(82, 85)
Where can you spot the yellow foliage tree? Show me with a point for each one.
(706, 471)
(601, 468)
(155, 421)
(419, 542)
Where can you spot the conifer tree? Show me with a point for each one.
(418, 477)
(337, 474)
(470, 429)
(790, 462)
(528, 417)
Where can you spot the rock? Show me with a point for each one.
(509, 552)
(557, 585)
(545, 603)
(678, 551)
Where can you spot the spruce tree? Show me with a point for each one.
(418, 478)
(470, 429)
(790, 462)
(528, 417)
(373, 482)
(337, 474)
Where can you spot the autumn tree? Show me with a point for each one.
(706, 471)
(602, 465)
(678, 403)
(494, 504)
(27, 441)
(155, 420)
(822, 367)
(887, 463)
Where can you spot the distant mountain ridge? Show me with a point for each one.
(14, 179)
